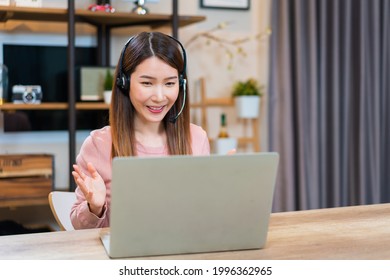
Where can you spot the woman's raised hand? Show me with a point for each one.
(92, 186)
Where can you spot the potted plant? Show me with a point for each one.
(246, 96)
(108, 82)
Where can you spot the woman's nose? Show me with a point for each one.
(158, 94)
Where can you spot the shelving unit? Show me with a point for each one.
(206, 102)
(103, 22)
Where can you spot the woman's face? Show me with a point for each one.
(154, 87)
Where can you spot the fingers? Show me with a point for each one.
(86, 181)
(79, 172)
(231, 152)
(92, 171)
(81, 183)
(80, 179)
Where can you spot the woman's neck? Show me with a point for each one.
(151, 134)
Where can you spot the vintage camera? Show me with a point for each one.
(26, 94)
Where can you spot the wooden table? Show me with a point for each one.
(358, 232)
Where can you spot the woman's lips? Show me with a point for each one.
(155, 109)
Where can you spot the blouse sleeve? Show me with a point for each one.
(95, 149)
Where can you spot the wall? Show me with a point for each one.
(210, 60)
(204, 60)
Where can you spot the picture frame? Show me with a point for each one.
(5, 2)
(28, 3)
(226, 4)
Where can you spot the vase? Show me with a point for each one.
(140, 8)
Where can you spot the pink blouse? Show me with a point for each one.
(97, 149)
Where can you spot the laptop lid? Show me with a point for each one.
(189, 204)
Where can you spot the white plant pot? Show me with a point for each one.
(247, 107)
(107, 96)
(224, 145)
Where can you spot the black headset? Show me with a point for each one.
(123, 80)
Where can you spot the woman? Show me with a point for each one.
(149, 116)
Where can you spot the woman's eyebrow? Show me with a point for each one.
(153, 78)
(147, 77)
(170, 78)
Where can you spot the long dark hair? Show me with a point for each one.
(122, 112)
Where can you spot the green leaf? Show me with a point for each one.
(248, 87)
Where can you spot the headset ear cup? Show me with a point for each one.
(123, 83)
(119, 82)
(126, 83)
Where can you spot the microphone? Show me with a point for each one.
(173, 120)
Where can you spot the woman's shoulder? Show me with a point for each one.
(200, 141)
(197, 131)
(103, 133)
(99, 137)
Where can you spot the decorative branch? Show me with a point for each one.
(225, 44)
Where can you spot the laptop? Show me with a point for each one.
(189, 204)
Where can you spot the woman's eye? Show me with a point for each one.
(170, 84)
(146, 83)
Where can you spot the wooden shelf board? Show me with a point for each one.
(116, 19)
(54, 106)
(210, 102)
(92, 106)
(33, 14)
(24, 202)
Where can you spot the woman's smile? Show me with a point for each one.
(155, 109)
